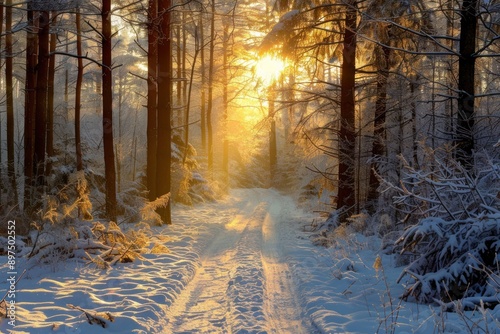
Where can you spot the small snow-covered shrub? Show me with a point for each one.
(103, 244)
(65, 229)
(457, 259)
(454, 243)
(149, 212)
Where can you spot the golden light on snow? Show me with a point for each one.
(268, 68)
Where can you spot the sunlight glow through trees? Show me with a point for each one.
(269, 68)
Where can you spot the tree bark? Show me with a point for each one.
(11, 170)
(78, 93)
(346, 185)
(184, 56)
(107, 111)
(210, 93)
(164, 148)
(466, 74)
(178, 45)
(379, 136)
(152, 98)
(225, 103)
(203, 127)
(50, 97)
(29, 108)
(273, 150)
(41, 99)
(188, 100)
(1, 65)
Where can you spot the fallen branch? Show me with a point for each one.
(99, 319)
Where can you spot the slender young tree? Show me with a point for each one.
(383, 54)
(188, 99)
(107, 111)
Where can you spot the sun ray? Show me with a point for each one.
(268, 69)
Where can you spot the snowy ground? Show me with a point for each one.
(243, 265)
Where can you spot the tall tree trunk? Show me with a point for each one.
(225, 103)
(450, 71)
(1, 64)
(178, 45)
(78, 93)
(347, 137)
(414, 131)
(184, 54)
(273, 150)
(29, 108)
(66, 101)
(379, 137)
(210, 93)
(118, 146)
(50, 98)
(188, 100)
(152, 98)
(466, 73)
(1, 30)
(107, 111)
(11, 171)
(41, 98)
(164, 148)
(203, 127)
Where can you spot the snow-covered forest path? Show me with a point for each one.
(244, 264)
(244, 283)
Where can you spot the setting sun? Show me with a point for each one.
(269, 68)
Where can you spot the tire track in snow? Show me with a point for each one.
(246, 288)
(219, 298)
(282, 304)
(243, 284)
(203, 304)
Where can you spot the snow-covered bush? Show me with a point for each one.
(457, 259)
(66, 229)
(444, 188)
(455, 240)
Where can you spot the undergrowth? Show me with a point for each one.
(66, 230)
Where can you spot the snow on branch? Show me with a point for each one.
(66, 230)
(455, 238)
(282, 31)
(456, 260)
(448, 190)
